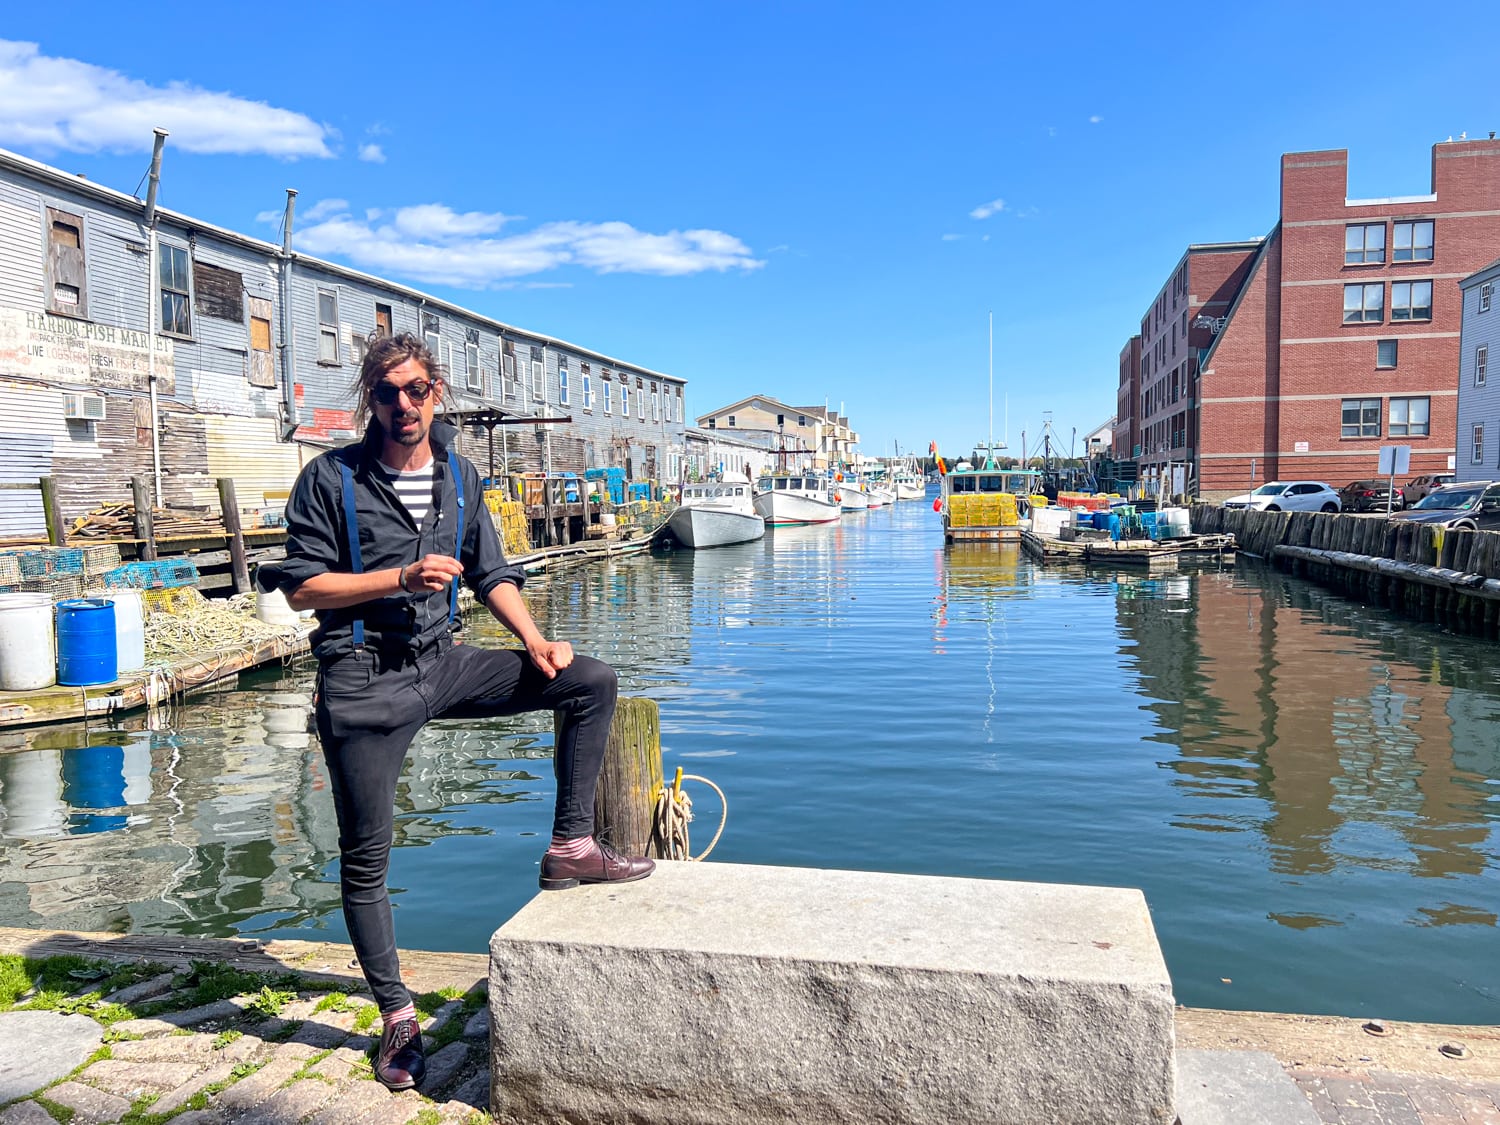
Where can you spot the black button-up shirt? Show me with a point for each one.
(318, 543)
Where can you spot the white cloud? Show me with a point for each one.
(985, 210)
(951, 237)
(1095, 119)
(432, 243)
(72, 106)
(372, 154)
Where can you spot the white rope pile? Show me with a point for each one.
(196, 626)
(674, 812)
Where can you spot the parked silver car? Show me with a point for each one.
(1419, 487)
(1289, 496)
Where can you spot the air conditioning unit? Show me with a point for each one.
(83, 407)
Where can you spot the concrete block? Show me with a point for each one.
(1238, 1088)
(718, 993)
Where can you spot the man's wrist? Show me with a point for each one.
(401, 580)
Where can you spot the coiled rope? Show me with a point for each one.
(674, 812)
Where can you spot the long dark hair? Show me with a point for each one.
(385, 353)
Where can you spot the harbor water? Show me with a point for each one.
(1307, 789)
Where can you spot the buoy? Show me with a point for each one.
(937, 505)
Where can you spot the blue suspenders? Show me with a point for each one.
(351, 528)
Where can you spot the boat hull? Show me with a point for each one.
(854, 498)
(700, 528)
(787, 509)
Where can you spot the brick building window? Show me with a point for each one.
(1412, 242)
(1364, 303)
(1360, 418)
(1386, 352)
(1411, 300)
(1478, 436)
(1486, 293)
(1364, 243)
(1409, 417)
(1481, 364)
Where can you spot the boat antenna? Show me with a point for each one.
(989, 453)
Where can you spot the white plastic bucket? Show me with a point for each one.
(130, 630)
(1174, 522)
(606, 519)
(28, 644)
(271, 607)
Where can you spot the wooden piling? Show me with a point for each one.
(631, 780)
(230, 509)
(57, 534)
(145, 532)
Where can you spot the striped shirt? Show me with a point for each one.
(414, 487)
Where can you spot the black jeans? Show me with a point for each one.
(371, 706)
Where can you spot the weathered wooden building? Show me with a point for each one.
(183, 352)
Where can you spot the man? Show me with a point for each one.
(378, 535)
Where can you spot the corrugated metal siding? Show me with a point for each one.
(27, 457)
(246, 451)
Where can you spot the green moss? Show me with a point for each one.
(59, 1113)
(226, 1037)
(368, 1015)
(284, 1032)
(428, 1116)
(475, 998)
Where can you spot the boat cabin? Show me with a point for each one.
(1017, 482)
(792, 484)
(698, 493)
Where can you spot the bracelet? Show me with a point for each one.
(401, 580)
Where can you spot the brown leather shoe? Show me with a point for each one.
(604, 866)
(400, 1063)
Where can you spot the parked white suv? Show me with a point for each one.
(1289, 496)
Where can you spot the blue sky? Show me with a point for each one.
(810, 201)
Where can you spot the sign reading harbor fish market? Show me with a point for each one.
(60, 350)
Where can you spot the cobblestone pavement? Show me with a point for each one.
(220, 1062)
(1389, 1098)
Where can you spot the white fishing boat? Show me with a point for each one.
(716, 514)
(880, 496)
(909, 483)
(789, 500)
(854, 496)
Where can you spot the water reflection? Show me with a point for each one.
(1331, 734)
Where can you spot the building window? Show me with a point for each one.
(432, 334)
(640, 398)
(1412, 242)
(625, 399)
(1364, 243)
(471, 359)
(1364, 303)
(731, 421)
(538, 375)
(328, 326)
(1486, 293)
(562, 380)
(655, 404)
(1481, 364)
(67, 290)
(1478, 456)
(1386, 352)
(1409, 417)
(1360, 418)
(588, 389)
(1411, 300)
(176, 283)
(384, 322)
(508, 369)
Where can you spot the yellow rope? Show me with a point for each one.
(197, 626)
(674, 811)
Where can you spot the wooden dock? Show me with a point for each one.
(1158, 554)
(161, 683)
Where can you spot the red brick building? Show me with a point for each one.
(1302, 354)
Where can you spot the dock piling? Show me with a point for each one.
(625, 802)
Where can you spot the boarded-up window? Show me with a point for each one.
(383, 322)
(262, 367)
(67, 285)
(220, 293)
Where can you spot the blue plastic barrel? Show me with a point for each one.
(86, 642)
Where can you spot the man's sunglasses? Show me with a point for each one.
(386, 394)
